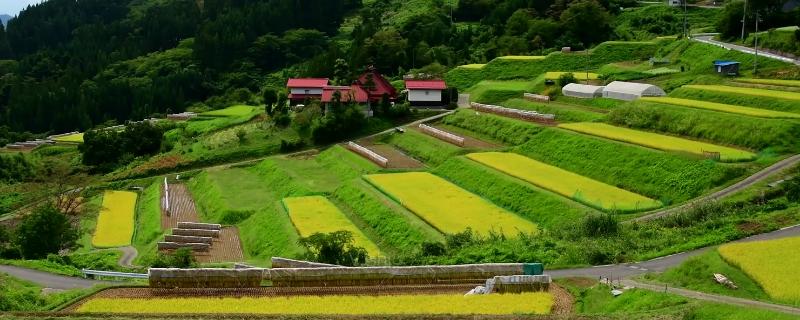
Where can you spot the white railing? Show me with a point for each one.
(443, 135)
(369, 154)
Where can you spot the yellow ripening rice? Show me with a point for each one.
(232, 111)
(582, 189)
(116, 221)
(658, 141)
(773, 264)
(729, 108)
(494, 304)
(748, 91)
(773, 82)
(475, 66)
(577, 75)
(447, 207)
(316, 214)
(73, 138)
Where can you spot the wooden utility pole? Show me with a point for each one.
(744, 18)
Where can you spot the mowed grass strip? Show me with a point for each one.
(582, 189)
(657, 141)
(729, 108)
(773, 264)
(232, 111)
(494, 304)
(116, 221)
(748, 91)
(775, 82)
(447, 207)
(316, 214)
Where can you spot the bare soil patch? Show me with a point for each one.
(182, 207)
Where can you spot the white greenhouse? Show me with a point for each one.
(629, 91)
(583, 91)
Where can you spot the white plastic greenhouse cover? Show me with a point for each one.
(583, 91)
(631, 90)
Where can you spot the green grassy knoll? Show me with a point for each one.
(564, 112)
(423, 147)
(669, 178)
(785, 105)
(540, 206)
(498, 128)
(718, 127)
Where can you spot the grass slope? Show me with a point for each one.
(423, 147)
(148, 221)
(563, 112)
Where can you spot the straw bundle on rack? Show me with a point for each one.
(202, 247)
(201, 226)
(205, 278)
(518, 284)
(188, 239)
(195, 232)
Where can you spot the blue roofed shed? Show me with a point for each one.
(726, 67)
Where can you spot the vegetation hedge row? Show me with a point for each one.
(723, 128)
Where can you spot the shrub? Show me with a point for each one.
(600, 225)
(566, 78)
(334, 248)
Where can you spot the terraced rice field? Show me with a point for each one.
(510, 304)
(521, 58)
(447, 207)
(748, 91)
(773, 264)
(568, 184)
(658, 141)
(729, 108)
(73, 138)
(774, 82)
(115, 224)
(474, 66)
(233, 111)
(317, 214)
(577, 75)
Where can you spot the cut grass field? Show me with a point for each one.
(774, 82)
(749, 91)
(658, 141)
(755, 112)
(232, 111)
(578, 75)
(316, 214)
(511, 304)
(73, 138)
(496, 91)
(115, 224)
(579, 188)
(773, 264)
(447, 207)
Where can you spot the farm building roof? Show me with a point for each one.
(724, 63)
(426, 85)
(353, 93)
(381, 85)
(307, 83)
(582, 91)
(631, 90)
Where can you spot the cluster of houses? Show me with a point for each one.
(369, 90)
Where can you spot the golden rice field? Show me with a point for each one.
(116, 221)
(748, 91)
(657, 141)
(496, 304)
(73, 138)
(773, 264)
(577, 75)
(473, 66)
(317, 214)
(775, 82)
(447, 207)
(232, 111)
(729, 108)
(582, 189)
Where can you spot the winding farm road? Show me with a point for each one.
(49, 280)
(128, 255)
(709, 39)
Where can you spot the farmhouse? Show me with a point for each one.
(425, 92)
(726, 67)
(347, 94)
(304, 89)
(582, 91)
(376, 86)
(629, 91)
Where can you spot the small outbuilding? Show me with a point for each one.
(629, 91)
(583, 91)
(425, 92)
(726, 67)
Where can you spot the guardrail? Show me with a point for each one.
(97, 273)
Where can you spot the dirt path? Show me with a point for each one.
(128, 255)
(714, 298)
(747, 182)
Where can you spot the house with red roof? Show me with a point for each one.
(427, 93)
(347, 94)
(304, 89)
(376, 85)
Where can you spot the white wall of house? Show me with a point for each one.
(424, 95)
(316, 91)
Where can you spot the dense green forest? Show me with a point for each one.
(77, 64)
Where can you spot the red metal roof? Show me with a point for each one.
(352, 93)
(307, 83)
(381, 86)
(426, 84)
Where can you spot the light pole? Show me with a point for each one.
(744, 18)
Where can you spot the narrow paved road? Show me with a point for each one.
(708, 39)
(747, 303)
(661, 264)
(741, 185)
(128, 255)
(49, 280)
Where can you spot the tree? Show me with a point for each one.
(334, 248)
(341, 72)
(270, 96)
(587, 20)
(43, 232)
(5, 48)
(566, 78)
